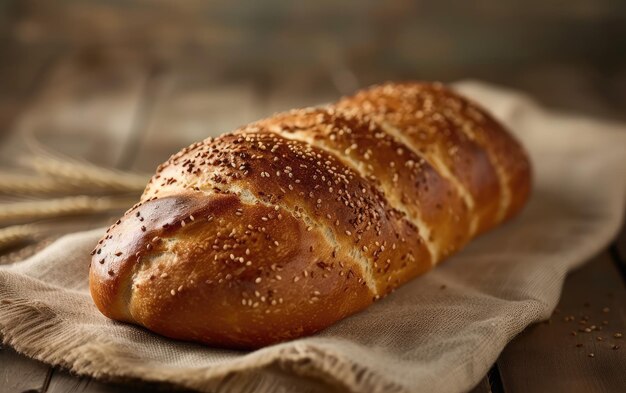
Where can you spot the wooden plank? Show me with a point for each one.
(619, 250)
(482, 387)
(22, 71)
(190, 106)
(85, 110)
(306, 87)
(579, 348)
(21, 374)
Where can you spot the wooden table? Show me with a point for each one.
(133, 117)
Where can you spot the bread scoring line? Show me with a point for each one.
(423, 229)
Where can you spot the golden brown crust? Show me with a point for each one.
(448, 128)
(223, 272)
(297, 221)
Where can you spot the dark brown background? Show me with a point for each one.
(571, 54)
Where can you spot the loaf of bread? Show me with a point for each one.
(287, 225)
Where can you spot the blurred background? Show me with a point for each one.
(93, 89)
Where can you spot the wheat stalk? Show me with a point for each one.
(32, 210)
(87, 175)
(17, 233)
(81, 174)
(29, 184)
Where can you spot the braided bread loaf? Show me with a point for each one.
(289, 224)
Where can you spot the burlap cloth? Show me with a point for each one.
(422, 338)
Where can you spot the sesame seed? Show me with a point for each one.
(258, 280)
(173, 292)
(164, 275)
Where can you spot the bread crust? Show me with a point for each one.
(289, 224)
